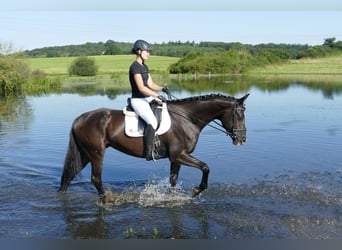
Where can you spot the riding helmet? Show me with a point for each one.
(141, 45)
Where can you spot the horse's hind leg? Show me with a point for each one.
(69, 174)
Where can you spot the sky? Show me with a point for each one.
(33, 24)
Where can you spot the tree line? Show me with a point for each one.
(172, 49)
(180, 49)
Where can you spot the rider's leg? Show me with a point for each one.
(148, 141)
(143, 109)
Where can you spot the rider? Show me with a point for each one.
(143, 92)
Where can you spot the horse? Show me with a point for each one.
(94, 131)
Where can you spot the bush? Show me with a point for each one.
(83, 66)
(231, 61)
(315, 52)
(13, 74)
(269, 56)
(186, 64)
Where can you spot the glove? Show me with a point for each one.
(166, 90)
(160, 99)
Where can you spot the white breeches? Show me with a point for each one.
(142, 107)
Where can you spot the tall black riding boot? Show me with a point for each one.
(148, 142)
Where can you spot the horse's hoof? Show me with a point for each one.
(104, 198)
(196, 191)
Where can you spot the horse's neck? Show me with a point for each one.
(206, 111)
(201, 112)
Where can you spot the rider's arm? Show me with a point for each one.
(149, 91)
(152, 85)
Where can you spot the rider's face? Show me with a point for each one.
(145, 54)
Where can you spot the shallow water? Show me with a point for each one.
(285, 182)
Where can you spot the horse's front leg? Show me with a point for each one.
(96, 175)
(191, 161)
(174, 171)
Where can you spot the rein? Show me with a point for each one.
(219, 129)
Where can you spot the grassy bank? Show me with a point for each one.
(318, 66)
(327, 69)
(58, 66)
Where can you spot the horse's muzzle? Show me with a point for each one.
(239, 138)
(239, 143)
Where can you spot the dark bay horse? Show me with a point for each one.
(92, 132)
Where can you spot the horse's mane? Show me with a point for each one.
(202, 98)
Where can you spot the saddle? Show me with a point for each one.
(135, 125)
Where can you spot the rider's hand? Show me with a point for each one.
(166, 90)
(160, 99)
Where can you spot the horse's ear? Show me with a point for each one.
(243, 99)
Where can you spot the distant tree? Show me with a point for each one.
(330, 42)
(315, 52)
(83, 66)
(338, 45)
(111, 48)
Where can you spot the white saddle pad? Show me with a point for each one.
(132, 120)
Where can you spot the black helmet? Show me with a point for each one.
(142, 45)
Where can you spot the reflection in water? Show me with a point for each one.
(229, 84)
(15, 109)
(236, 85)
(83, 221)
(15, 114)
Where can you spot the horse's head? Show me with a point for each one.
(233, 121)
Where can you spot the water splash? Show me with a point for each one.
(111, 198)
(156, 193)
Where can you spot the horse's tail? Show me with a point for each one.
(72, 162)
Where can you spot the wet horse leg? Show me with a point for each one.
(189, 160)
(69, 174)
(96, 174)
(174, 171)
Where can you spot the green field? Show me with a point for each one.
(306, 69)
(319, 66)
(107, 64)
(326, 69)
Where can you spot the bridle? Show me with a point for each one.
(234, 129)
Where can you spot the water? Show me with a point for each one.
(285, 182)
